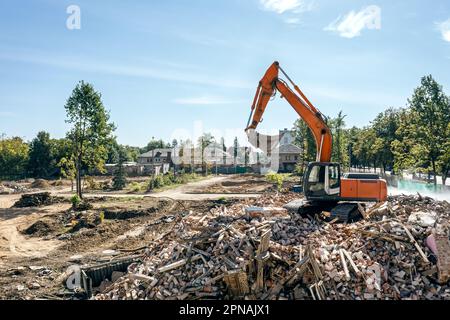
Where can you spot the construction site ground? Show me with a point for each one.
(30, 264)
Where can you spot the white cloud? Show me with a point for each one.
(354, 22)
(206, 100)
(280, 6)
(283, 6)
(444, 28)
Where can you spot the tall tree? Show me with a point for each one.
(119, 180)
(444, 158)
(340, 144)
(41, 163)
(430, 116)
(91, 130)
(385, 126)
(224, 150)
(235, 152)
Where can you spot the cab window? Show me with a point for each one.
(333, 176)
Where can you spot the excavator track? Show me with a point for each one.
(345, 212)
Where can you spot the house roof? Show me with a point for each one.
(157, 153)
(289, 148)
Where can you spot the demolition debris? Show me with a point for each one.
(255, 249)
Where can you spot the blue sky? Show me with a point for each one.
(174, 68)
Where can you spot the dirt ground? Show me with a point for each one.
(38, 244)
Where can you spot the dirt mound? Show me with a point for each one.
(40, 184)
(38, 229)
(35, 200)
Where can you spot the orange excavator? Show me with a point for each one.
(324, 187)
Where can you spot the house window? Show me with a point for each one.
(148, 160)
(286, 140)
(296, 158)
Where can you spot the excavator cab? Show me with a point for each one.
(322, 181)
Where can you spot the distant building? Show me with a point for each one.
(156, 157)
(289, 154)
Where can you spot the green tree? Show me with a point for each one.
(304, 139)
(385, 126)
(428, 121)
(41, 163)
(155, 144)
(67, 169)
(340, 143)
(91, 131)
(119, 180)
(444, 158)
(13, 158)
(365, 149)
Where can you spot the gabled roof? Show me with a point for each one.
(289, 148)
(157, 153)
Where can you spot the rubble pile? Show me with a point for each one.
(11, 188)
(254, 249)
(37, 200)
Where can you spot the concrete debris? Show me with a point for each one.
(423, 219)
(251, 249)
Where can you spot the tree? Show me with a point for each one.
(304, 139)
(41, 163)
(385, 126)
(365, 149)
(174, 143)
(340, 143)
(119, 180)
(91, 131)
(429, 118)
(444, 158)
(205, 141)
(67, 169)
(13, 158)
(155, 144)
(235, 152)
(224, 149)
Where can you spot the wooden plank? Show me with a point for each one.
(172, 266)
(352, 263)
(419, 249)
(344, 265)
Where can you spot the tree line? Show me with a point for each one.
(414, 138)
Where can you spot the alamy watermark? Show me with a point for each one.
(73, 21)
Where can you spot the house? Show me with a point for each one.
(156, 157)
(156, 161)
(289, 154)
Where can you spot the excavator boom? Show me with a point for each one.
(267, 88)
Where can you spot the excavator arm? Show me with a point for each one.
(267, 88)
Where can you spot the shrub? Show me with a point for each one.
(75, 200)
(275, 178)
(91, 184)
